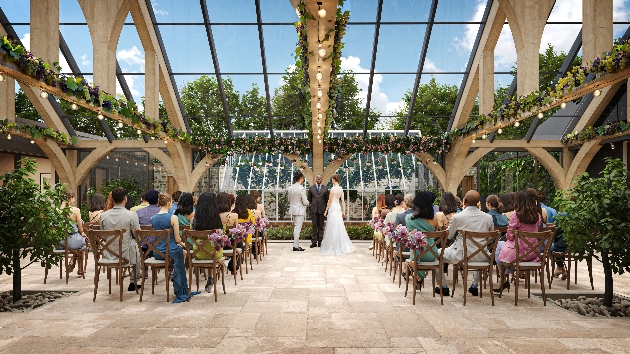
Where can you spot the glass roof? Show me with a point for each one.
(236, 37)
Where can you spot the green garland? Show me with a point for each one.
(302, 63)
(334, 95)
(35, 132)
(591, 133)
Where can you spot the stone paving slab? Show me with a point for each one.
(302, 302)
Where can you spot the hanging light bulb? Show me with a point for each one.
(517, 124)
(127, 161)
(9, 136)
(116, 159)
(136, 164)
(73, 107)
(563, 105)
(120, 124)
(319, 115)
(321, 12)
(318, 137)
(322, 52)
(165, 141)
(319, 131)
(44, 94)
(100, 116)
(540, 115)
(612, 146)
(500, 131)
(1, 78)
(474, 141)
(32, 141)
(319, 75)
(318, 105)
(320, 93)
(319, 124)
(139, 131)
(107, 157)
(484, 136)
(597, 93)
(320, 141)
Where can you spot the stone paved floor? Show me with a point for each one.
(305, 303)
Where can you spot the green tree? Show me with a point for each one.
(32, 222)
(350, 114)
(24, 108)
(252, 111)
(287, 103)
(595, 220)
(202, 102)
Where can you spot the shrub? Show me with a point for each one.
(362, 232)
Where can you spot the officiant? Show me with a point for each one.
(318, 199)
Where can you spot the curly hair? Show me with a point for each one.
(448, 204)
(176, 195)
(507, 199)
(185, 204)
(422, 206)
(224, 203)
(164, 199)
(526, 208)
(97, 202)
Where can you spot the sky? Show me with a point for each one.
(238, 48)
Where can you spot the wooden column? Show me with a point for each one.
(486, 82)
(45, 29)
(151, 85)
(597, 28)
(7, 99)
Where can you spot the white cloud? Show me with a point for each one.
(157, 10)
(26, 41)
(84, 59)
(132, 56)
(430, 67)
(379, 100)
(65, 67)
(470, 34)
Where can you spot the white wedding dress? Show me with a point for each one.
(336, 241)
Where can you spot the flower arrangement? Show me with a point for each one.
(241, 230)
(35, 132)
(377, 223)
(415, 240)
(341, 146)
(400, 234)
(387, 229)
(262, 224)
(219, 239)
(591, 133)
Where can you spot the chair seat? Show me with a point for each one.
(59, 251)
(231, 251)
(406, 254)
(153, 261)
(111, 263)
(206, 261)
(530, 264)
(425, 264)
(478, 264)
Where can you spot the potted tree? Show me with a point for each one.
(32, 222)
(594, 217)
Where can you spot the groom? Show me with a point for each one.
(318, 198)
(298, 203)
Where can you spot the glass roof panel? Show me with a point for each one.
(399, 48)
(80, 43)
(130, 53)
(136, 86)
(502, 80)
(238, 48)
(232, 11)
(619, 30)
(361, 10)
(460, 11)
(505, 51)
(449, 49)
(182, 52)
(177, 11)
(445, 79)
(405, 11)
(24, 32)
(566, 11)
(560, 37)
(17, 11)
(280, 44)
(277, 11)
(70, 12)
(358, 43)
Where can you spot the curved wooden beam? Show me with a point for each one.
(581, 161)
(59, 161)
(553, 167)
(436, 169)
(164, 159)
(332, 167)
(90, 161)
(201, 168)
(303, 165)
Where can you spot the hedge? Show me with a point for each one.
(363, 232)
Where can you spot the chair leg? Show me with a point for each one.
(109, 276)
(97, 271)
(168, 284)
(142, 283)
(406, 280)
(400, 269)
(491, 284)
(45, 272)
(415, 283)
(465, 284)
(542, 287)
(120, 283)
(454, 282)
(529, 285)
(214, 281)
(516, 283)
(568, 266)
(440, 272)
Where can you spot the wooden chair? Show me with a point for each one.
(236, 255)
(216, 266)
(568, 256)
(151, 238)
(398, 260)
(486, 243)
(389, 250)
(258, 242)
(68, 254)
(266, 250)
(502, 231)
(146, 227)
(412, 268)
(534, 241)
(109, 243)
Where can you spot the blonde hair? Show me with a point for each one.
(336, 177)
(163, 199)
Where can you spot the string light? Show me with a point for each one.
(319, 75)
(1, 78)
(484, 136)
(127, 161)
(517, 124)
(319, 124)
(136, 164)
(563, 105)
(100, 116)
(44, 94)
(612, 146)
(165, 141)
(318, 105)
(540, 115)
(319, 115)
(322, 52)
(120, 124)
(500, 131)
(116, 159)
(139, 131)
(319, 131)
(597, 93)
(9, 136)
(473, 141)
(107, 157)
(73, 107)
(32, 141)
(320, 93)
(321, 12)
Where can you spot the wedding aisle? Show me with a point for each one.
(301, 302)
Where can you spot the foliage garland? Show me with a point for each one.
(334, 94)
(302, 64)
(617, 60)
(343, 146)
(591, 133)
(35, 132)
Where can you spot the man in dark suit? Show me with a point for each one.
(318, 199)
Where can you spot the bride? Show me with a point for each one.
(336, 241)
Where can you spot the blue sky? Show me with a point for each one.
(239, 52)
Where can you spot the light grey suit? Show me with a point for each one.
(297, 208)
(121, 218)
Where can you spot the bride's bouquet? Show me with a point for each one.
(262, 224)
(416, 240)
(219, 240)
(241, 230)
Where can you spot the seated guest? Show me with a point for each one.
(399, 207)
(184, 211)
(253, 206)
(495, 209)
(525, 218)
(244, 214)
(541, 211)
(470, 219)
(433, 197)
(195, 200)
(145, 214)
(551, 212)
(232, 201)
(380, 205)
(259, 205)
(97, 206)
(76, 238)
(175, 199)
(207, 218)
(109, 203)
(458, 201)
(143, 204)
(228, 218)
(400, 218)
(559, 245)
(422, 219)
(164, 220)
(120, 218)
(447, 208)
(508, 200)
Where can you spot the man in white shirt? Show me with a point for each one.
(470, 219)
(298, 203)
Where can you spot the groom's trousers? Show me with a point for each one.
(298, 220)
(317, 221)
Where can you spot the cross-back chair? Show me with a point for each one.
(152, 238)
(200, 248)
(412, 268)
(479, 260)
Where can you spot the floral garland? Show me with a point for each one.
(334, 94)
(342, 146)
(48, 74)
(301, 61)
(591, 133)
(35, 132)
(525, 106)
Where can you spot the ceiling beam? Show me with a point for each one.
(423, 55)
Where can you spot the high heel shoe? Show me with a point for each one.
(505, 285)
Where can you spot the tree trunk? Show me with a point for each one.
(17, 276)
(608, 289)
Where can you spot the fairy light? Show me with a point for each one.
(500, 131)
(100, 116)
(9, 136)
(107, 157)
(320, 93)
(484, 136)
(597, 93)
(319, 75)
(44, 94)
(322, 52)
(318, 105)
(541, 115)
(116, 159)
(612, 146)
(474, 141)
(74, 107)
(139, 131)
(319, 115)
(1, 78)
(517, 124)
(563, 105)
(32, 141)
(120, 124)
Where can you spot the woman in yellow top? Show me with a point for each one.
(241, 209)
